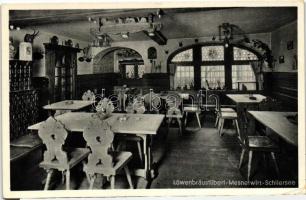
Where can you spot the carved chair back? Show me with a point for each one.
(53, 135)
(99, 138)
(89, 96)
(105, 105)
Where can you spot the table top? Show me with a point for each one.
(245, 98)
(278, 122)
(68, 105)
(147, 124)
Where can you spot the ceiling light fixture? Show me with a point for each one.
(227, 32)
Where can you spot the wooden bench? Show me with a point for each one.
(23, 146)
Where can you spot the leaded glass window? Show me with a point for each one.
(183, 56)
(130, 73)
(243, 75)
(213, 75)
(242, 54)
(141, 70)
(212, 53)
(184, 77)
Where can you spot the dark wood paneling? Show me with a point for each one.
(156, 81)
(282, 86)
(95, 81)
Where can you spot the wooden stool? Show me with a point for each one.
(103, 159)
(53, 135)
(228, 116)
(192, 109)
(175, 113)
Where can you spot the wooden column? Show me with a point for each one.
(197, 67)
(228, 57)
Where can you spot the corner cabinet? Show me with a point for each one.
(61, 70)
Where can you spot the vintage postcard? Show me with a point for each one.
(153, 99)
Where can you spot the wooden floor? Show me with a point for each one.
(209, 160)
(200, 155)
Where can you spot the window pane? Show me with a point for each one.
(184, 77)
(141, 70)
(242, 54)
(129, 71)
(244, 75)
(183, 56)
(212, 53)
(214, 75)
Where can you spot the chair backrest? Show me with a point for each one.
(152, 101)
(89, 96)
(137, 106)
(214, 99)
(99, 138)
(105, 105)
(173, 100)
(53, 134)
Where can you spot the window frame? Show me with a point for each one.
(122, 68)
(197, 62)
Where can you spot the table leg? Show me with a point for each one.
(144, 172)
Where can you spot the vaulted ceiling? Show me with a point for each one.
(177, 23)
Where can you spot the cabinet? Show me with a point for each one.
(61, 70)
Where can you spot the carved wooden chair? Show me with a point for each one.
(89, 96)
(105, 105)
(102, 158)
(261, 144)
(152, 102)
(174, 104)
(56, 157)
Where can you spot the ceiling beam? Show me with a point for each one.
(158, 37)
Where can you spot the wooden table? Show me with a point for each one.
(243, 104)
(143, 125)
(278, 123)
(68, 105)
(245, 98)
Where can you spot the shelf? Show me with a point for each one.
(49, 46)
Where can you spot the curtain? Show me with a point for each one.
(257, 67)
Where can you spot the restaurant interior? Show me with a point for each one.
(153, 98)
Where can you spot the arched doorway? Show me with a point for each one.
(126, 61)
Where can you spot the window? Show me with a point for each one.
(204, 67)
(211, 53)
(242, 54)
(129, 71)
(184, 77)
(132, 71)
(141, 70)
(214, 75)
(183, 56)
(243, 75)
